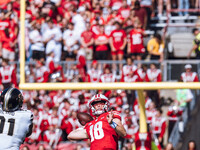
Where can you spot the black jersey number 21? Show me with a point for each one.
(11, 127)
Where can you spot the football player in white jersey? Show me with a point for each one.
(15, 123)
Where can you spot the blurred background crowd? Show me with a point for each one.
(94, 41)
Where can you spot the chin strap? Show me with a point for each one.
(99, 112)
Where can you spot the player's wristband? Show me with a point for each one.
(113, 125)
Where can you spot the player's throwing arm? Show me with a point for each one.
(104, 130)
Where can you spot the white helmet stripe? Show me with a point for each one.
(6, 98)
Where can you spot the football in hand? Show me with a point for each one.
(84, 118)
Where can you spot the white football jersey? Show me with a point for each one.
(14, 127)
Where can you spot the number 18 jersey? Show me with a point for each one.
(14, 127)
(101, 134)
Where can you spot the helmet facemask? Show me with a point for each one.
(99, 112)
(98, 98)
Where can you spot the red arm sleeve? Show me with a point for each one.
(46, 77)
(180, 112)
(146, 78)
(51, 67)
(100, 80)
(82, 62)
(39, 138)
(88, 78)
(45, 139)
(14, 78)
(63, 125)
(107, 94)
(128, 136)
(159, 78)
(4, 38)
(196, 79)
(139, 78)
(122, 78)
(69, 128)
(163, 129)
(169, 113)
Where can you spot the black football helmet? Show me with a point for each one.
(11, 99)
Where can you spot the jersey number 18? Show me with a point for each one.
(96, 131)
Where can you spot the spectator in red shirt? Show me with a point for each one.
(48, 8)
(143, 141)
(87, 40)
(94, 72)
(97, 18)
(142, 72)
(124, 11)
(4, 23)
(107, 76)
(8, 40)
(54, 118)
(135, 44)
(41, 72)
(7, 75)
(109, 27)
(116, 3)
(11, 16)
(55, 71)
(101, 43)
(128, 68)
(174, 112)
(153, 74)
(131, 127)
(117, 43)
(81, 66)
(158, 126)
(114, 14)
(96, 28)
(86, 3)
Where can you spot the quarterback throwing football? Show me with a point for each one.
(15, 123)
(104, 130)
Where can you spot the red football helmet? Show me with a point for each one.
(98, 98)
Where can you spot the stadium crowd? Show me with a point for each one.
(72, 30)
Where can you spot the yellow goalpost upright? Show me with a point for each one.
(103, 86)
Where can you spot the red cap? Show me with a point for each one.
(107, 66)
(94, 62)
(39, 62)
(97, 11)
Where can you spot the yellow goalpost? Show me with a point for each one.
(103, 86)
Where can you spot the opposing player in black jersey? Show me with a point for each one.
(15, 123)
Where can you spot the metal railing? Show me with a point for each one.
(171, 69)
(169, 24)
